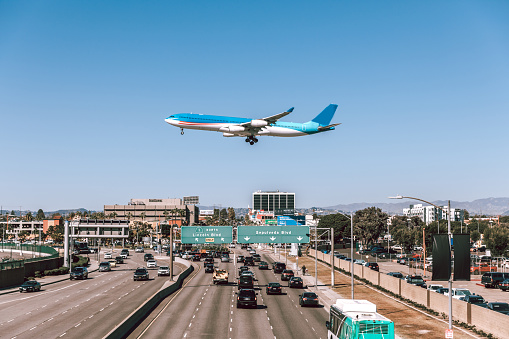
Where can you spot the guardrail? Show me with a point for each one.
(484, 319)
(122, 329)
(10, 264)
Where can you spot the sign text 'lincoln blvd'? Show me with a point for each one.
(207, 234)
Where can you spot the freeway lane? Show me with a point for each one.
(78, 308)
(203, 310)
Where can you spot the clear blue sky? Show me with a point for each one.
(85, 86)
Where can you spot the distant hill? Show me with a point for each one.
(488, 206)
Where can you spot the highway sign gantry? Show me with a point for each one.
(207, 234)
(273, 234)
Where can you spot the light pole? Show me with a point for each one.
(351, 251)
(448, 214)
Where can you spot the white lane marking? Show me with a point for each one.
(49, 319)
(189, 324)
(78, 325)
(33, 328)
(62, 334)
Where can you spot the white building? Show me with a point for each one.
(428, 214)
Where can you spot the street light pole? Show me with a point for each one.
(448, 214)
(351, 252)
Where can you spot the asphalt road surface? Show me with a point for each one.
(203, 310)
(79, 308)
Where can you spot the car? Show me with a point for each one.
(163, 270)
(492, 279)
(308, 299)
(78, 273)
(340, 256)
(263, 265)
(242, 269)
(504, 285)
(119, 260)
(151, 263)
(396, 274)
(232, 245)
(499, 307)
(209, 268)
(249, 261)
(273, 288)
(245, 281)
(278, 267)
(220, 276)
(225, 259)
(459, 293)
(208, 261)
(415, 280)
(105, 266)
(240, 258)
(248, 273)
(252, 251)
(296, 282)
(124, 253)
(442, 290)
(196, 257)
(372, 265)
(139, 249)
(247, 297)
(141, 273)
(148, 256)
(108, 255)
(30, 286)
(113, 263)
(257, 257)
(476, 300)
(434, 287)
(286, 275)
(359, 261)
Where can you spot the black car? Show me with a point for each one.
(308, 299)
(141, 273)
(249, 261)
(476, 300)
(396, 274)
(240, 258)
(209, 268)
(340, 256)
(372, 265)
(30, 286)
(278, 267)
(499, 307)
(246, 281)
(257, 257)
(492, 279)
(148, 256)
(442, 290)
(119, 260)
(242, 269)
(273, 288)
(286, 275)
(296, 282)
(504, 285)
(416, 280)
(196, 257)
(209, 261)
(263, 265)
(247, 297)
(79, 273)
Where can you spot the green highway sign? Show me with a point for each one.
(273, 234)
(207, 234)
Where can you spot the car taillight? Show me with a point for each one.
(238, 298)
(255, 298)
(304, 298)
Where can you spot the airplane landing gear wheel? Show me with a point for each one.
(255, 140)
(251, 142)
(181, 131)
(247, 139)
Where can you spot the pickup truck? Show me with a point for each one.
(220, 276)
(482, 268)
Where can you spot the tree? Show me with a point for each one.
(339, 222)
(231, 214)
(56, 233)
(40, 215)
(497, 240)
(407, 231)
(369, 224)
(29, 216)
(23, 235)
(466, 215)
(475, 236)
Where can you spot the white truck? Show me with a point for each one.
(220, 276)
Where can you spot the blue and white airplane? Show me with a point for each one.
(251, 128)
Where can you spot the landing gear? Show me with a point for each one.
(181, 131)
(252, 139)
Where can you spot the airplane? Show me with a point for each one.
(251, 128)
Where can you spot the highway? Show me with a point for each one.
(79, 308)
(203, 310)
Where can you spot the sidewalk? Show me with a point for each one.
(92, 267)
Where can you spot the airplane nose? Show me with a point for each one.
(171, 121)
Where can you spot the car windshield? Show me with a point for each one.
(309, 295)
(274, 285)
(416, 280)
(220, 271)
(463, 292)
(476, 300)
(140, 270)
(104, 264)
(297, 279)
(31, 282)
(501, 307)
(246, 293)
(164, 268)
(78, 269)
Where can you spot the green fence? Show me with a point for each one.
(7, 264)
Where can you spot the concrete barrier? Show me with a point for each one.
(122, 329)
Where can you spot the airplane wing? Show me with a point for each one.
(259, 123)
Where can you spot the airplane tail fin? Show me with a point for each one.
(325, 117)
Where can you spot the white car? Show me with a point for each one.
(434, 287)
(186, 255)
(359, 262)
(232, 245)
(151, 263)
(163, 270)
(108, 255)
(459, 293)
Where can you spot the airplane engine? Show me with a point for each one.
(258, 123)
(236, 128)
(228, 135)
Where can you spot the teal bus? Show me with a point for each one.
(357, 319)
